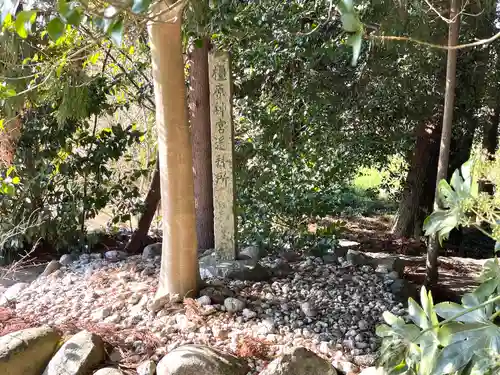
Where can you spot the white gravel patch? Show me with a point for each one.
(331, 309)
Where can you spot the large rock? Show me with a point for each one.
(12, 293)
(115, 255)
(151, 251)
(108, 371)
(356, 258)
(387, 264)
(250, 252)
(299, 361)
(27, 352)
(78, 356)
(246, 269)
(66, 259)
(53, 266)
(200, 360)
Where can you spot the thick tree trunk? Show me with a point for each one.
(416, 201)
(444, 148)
(138, 239)
(179, 263)
(199, 100)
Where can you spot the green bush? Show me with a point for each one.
(451, 338)
(62, 176)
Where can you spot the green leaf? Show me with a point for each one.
(428, 306)
(350, 22)
(23, 22)
(16, 180)
(417, 314)
(70, 12)
(392, 319)
(447, 310)
(140, 6)
(355, 41)
(454, 357)
(116, 32)
(56, 29)
(8, 7)
(383, 330)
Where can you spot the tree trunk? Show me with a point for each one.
(444, 148)
(199, 99)
(138, 239)
(179, 263)
(416, 201)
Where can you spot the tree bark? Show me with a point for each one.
(179, 263)
(138, 239)
(199, 99)
(444, 148)
(416, 201)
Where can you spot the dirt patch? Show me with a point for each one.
(459, 265)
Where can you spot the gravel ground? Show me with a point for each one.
(331, 309)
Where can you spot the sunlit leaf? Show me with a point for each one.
(116, 32)
(7, 8)
(56, 29)
(417, 314)
(350, 22)
(23, 22)
(355, 41)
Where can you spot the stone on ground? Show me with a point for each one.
(115, 255)
(78, 356)
(27, 352)
(146, 368)
(12, 293)
(250, 252)
(299, 361)
(373, 371)
(151, 251)
(356, 258)
(66, 260)
(198, 360)
(108, 371)
(53, 266)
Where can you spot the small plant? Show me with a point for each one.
(451, 338)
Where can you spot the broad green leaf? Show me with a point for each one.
(140, 6)
(428, 306)
(446, 332)
(447, 195)
(355, 41)
(56, 29)
(116, 32)
(346, 6)
(23, 22)
(392, 319)
(454, 357)
(383, 330)
(417, 314)
(456, 180)
(428, 358)
(350, 22)
(70, 12)
(447, 310)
